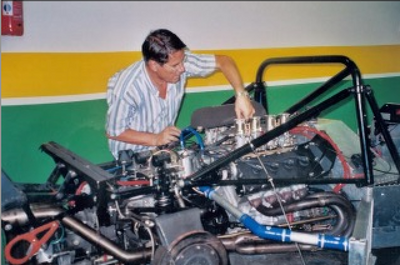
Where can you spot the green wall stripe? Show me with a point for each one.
(79, 126)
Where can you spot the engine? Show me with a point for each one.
(151, 208)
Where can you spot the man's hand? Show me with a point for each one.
(243, 108)
(166, 136)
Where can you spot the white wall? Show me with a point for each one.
(76, 26)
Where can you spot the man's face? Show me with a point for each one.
(171, 71)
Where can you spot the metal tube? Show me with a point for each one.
(343, 208)
(364, 138)
(278, 234)
(40, 211)
(250, 244)
(109, 246)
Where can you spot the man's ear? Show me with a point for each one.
(153, 65)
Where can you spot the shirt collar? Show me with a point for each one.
(153, 88)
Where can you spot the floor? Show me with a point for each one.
(292, 258)
(390, 256)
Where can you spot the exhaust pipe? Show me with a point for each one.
(278, 234)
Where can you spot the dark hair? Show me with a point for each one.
(159, 44)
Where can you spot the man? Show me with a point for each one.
(144, 99)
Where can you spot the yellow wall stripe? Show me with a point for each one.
(58, 74)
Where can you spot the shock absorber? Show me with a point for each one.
(163, 197)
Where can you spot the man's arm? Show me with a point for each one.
(243, 106)
(166, 136)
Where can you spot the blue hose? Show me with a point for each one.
(193, 131)
(286, 235)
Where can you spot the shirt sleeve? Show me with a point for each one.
(119, 109)
(199, 64)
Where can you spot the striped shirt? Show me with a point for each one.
(134, 102)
